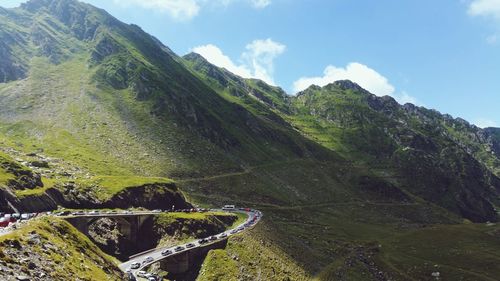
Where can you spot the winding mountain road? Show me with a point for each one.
(155, 255)
(144, 259)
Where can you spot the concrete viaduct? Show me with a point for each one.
(129, 225)
(179, 262)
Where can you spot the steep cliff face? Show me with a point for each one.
(151, 196)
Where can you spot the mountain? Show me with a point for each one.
(98, 113)
(430, 155)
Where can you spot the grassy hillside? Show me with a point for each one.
(52, 249)
(251, 256)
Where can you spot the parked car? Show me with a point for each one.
(223, 235)
(203, 241)
(190, 245)
(141, 273)
(234, 231)
(178, 248)
(213, 238)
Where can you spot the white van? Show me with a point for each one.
(228, 207)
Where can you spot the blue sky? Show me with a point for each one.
(440, 54)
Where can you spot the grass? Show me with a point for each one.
(5, 176)
(168, 218)
(111, 185)
(458, 252)
(227, 268)
(250, 256)
(241, 219)
(47, 183)
(175, 228)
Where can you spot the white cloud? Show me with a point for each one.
(492, 39)
(257, 61)
(366, 77)
(489, 9)
(11, 3)
(485, 8)
(177, 9)
(215, 56)
(261, 3)
(361, 74)
(184, 9)
(485, 123)
(404, 97)
(260, 55)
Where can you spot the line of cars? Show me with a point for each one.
(96, 213)
(8, 219)
(122, 212)
(255, 215)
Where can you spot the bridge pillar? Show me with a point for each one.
(183, 262)
(127, 227)
(176, 264)
(81, 224)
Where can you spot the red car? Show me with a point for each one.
(4, 222)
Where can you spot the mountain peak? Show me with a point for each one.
(36, 5)
(192, 56)
(346, 85)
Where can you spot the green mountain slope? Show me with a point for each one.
(425, 152)
(431, 156)
(345, 179)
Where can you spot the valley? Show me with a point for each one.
(98, 114)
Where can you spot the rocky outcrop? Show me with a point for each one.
(72, 13)
(105, 233)
(105, 47)
(29, 204)
(152, 196)
(23, 178)
(47, 250)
